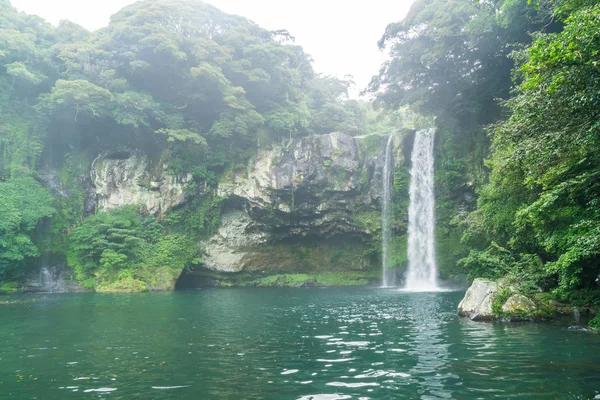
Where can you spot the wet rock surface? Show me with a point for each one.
(321, 186)
(126, 177)
(518, 303)
(478, 301)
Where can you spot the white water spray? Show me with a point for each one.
(386, 224)
(422, 270)
(51, 279)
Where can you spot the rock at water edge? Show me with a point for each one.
(477, 303)
(517, 303)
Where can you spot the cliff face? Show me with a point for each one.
(125, 177)
(309, 209)
(315, 195)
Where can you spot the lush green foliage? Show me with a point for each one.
(513, 82)
(541, 204)
(23, 203)
(194, 88)
(595, 323)
(536, 217)
(120, 244)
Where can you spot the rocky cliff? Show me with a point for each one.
(304, 212)
(311, 206)
(321, 191)
(126, 176)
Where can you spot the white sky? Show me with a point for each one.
(341, 35)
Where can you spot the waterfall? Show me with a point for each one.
(386, 224)
(51, 279)
(422, 270)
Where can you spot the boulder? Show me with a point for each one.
(519, 304)
(477, 303)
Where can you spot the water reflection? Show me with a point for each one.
(429, 344)
(283, 344)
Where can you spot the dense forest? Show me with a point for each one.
(512, 86)
(194, 87)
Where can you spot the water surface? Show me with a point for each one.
(283, 344)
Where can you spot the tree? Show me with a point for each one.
(23, 204)
(450, 62)
(73, 99)
(546, 155)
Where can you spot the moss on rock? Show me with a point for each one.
(127, 285)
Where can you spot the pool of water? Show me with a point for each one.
(308, 343)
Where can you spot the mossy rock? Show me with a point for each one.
(488, 300)
(10, 287)
(308, 279)
(518, 303)
(128, 285)
(159, 278)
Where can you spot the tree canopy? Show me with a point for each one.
(193, 87)
(516, 82)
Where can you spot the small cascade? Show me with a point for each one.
(51, 279)
(388, 275)
(422, 269)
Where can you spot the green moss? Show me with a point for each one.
(283, 280)
(499, 300)
(372, 145)
(349, 278)
(542, 311)
(89, 283)
(160, 277)
(449, 250)
(10, 287)
(595, 323)
(144, 183)
(127, 285)
(398, 249)
(304, 255)
(338, 176)
(401, 195)
(244, 279)
(368, 221)
(363, 181)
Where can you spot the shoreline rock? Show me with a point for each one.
(478, 301)
(487, 300)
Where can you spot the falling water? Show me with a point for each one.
(386, 226)
(422, 271)
(51, 279)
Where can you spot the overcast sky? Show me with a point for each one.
(341, 35)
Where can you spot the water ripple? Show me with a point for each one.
(320, 344)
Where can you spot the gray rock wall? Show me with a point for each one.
(321, 186)
(124, 177)
(318, 186)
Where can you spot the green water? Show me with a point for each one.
(282, 344)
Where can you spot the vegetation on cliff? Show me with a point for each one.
(511, 85)
(194, 88)
(521, 76)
